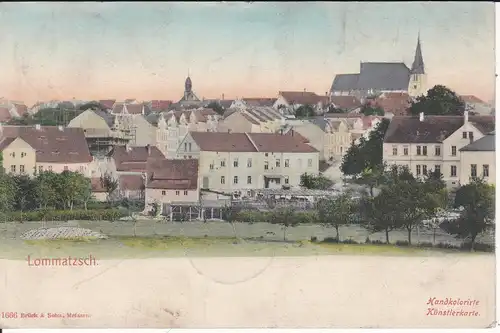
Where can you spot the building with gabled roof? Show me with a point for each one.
(478, 160)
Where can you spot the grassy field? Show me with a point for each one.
(147, 247)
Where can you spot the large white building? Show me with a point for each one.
(242, 162)
(427, 143)
(477, 160)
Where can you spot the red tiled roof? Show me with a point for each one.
(135, 158)
(52, 144)
(259, 101)
(134, 108)
(297, 135)
(302, 97)
(21, 109)
(130, 182)
(5, 115)
(173, 174)
(434, 129)
(160, 105)
(107, 103)
(395, 103)
(345, 102)
(250, 142)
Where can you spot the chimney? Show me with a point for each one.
(304, 89)
(60, 128)
(421, 116)
(38, 127)
(466, 117)
(148, 147)
(222, 96)
(127, 147)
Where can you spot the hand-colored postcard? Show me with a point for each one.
(247, 164)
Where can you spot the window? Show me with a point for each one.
(223, 163)
(287, 163)
(249, 180)
(13, 154)
(177, 192)
(235, 163)
(222, 179)
(21, 168)
(278, 163)
(309, 163)
(453, 171)
(394, 150)
(486, 170)
(249, 163)
(12, 168)
(453, 150)
(40, 168)
(66, 168)
(50, 168)
(266, 154)
(471, 136)
(286, 180)
(405, 151)
(211, 166)
(185, 192)
(266, 165)
(419, 150)
(235, 180)
(437, 169)
(464, 135)
(189, 146)
(424, 150)
(424, 169)
(437, 151)
(82, 168)
(418, 170)
(185, 146)
(163, 192)
(473, 170)
(23, 154)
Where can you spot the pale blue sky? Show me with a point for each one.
(144, 50)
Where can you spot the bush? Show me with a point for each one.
(402, 243)
(252, 216)
(314, 239)
(377, 242)
(425, 245)
(65, 215)
(349, 241)
(330, 240)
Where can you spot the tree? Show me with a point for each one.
(7, 193)
(370, 110)
(46, 189)
(372, 178)
(71, 186)
(439, 100)
(304, 111)
(333, 109)
(336, 211)
(25, 193)
(229, 214)
(315, 182)
(216, 107)
(109, 184)
(285, 217)
(478, 200)
(378, 213)
(367, 153)
(94, 105)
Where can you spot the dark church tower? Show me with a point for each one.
(417, 84)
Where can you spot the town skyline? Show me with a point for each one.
(105, 50)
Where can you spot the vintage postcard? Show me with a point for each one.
(247, 164)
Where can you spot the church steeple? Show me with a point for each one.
(418, 62)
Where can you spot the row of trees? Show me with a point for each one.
(48, 190)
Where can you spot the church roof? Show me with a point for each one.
(418, 62)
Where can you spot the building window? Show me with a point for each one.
(278, 163)
(13, 154)
(235, 163)
(309, 163)
(424, 169)
(418, 170)
(419, 150)
(287, 180)
(394, 150)
(189, 146)
(177, 192)
(21, 168)
(266, 154)
(163, 192)
(266, 165)
(287, 163)
(82, 168)
(437, 169)
(223, 163)
(185, 192)
(12, 168)
(473, 170)
(249, 180)
(235, 180)
(185, 146)
(50, 168)
(211, 166)
(66, 168)
(249, 163)
(40, 168)
(464, 135)
(424, 150)
(437, 151)
(453, 150)
(471, 136)
(453, 171)
(405, 151)
(23, 154)
(486, 170)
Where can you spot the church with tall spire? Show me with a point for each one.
(375, 78)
